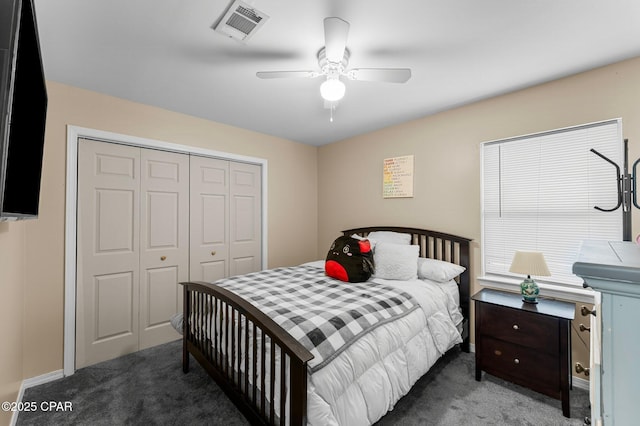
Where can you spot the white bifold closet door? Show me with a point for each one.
(226, 227)
(108, 257)
(209, 247)
(133, 241)
(164, 242)
(148, 220)
(245, 227)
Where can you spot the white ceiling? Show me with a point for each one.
(165, 53)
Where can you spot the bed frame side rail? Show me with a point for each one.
(238, 346)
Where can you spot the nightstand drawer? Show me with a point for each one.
(531, 368)
(523, 328)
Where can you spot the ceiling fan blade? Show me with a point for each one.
(286, 74)
(389, 75)
(336, 31)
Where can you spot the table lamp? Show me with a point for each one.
(529, 263)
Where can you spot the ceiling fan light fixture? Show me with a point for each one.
(332, 89)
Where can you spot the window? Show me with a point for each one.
(539, 193)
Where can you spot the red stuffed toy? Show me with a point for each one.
(350, 259)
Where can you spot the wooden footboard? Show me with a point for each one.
(239, 347)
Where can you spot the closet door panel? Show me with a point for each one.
(209, 242)
(108, 251)
(114, 301)
(245, 231)
(164, 242)
(162, 296)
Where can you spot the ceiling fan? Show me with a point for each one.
(333, 60)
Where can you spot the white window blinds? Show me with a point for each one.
(539, 193)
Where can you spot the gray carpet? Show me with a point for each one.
(148, 387)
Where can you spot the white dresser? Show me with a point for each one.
(612, 269)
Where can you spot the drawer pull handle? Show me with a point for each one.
(163, 258)
(583, 328)
(581, 369)
(516, 361)
(498, 352)
(213, 253)
(585, 311)
(515, 327)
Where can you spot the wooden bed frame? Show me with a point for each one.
(221, 354)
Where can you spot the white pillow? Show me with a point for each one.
(396, 261)
(438, 270)
(389, 237)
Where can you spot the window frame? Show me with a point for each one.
(548, 286)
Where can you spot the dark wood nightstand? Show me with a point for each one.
(527, 344)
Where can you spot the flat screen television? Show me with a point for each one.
(23, 108)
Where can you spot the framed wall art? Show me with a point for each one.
(397, 177)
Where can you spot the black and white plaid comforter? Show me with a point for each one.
(324, 314)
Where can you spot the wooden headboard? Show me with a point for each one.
(441, 246)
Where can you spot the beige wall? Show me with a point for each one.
(12, 283)
(32, 290)
(447, 161)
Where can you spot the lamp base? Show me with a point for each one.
(529, 290)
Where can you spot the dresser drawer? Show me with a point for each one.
(536, 370)
(528, 329)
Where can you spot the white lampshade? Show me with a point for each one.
(332, 89)
(529, 263)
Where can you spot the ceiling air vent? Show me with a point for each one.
(241, 21)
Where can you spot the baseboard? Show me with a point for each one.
(31, 382)
(578, 382)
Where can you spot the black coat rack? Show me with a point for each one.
(627, 193)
